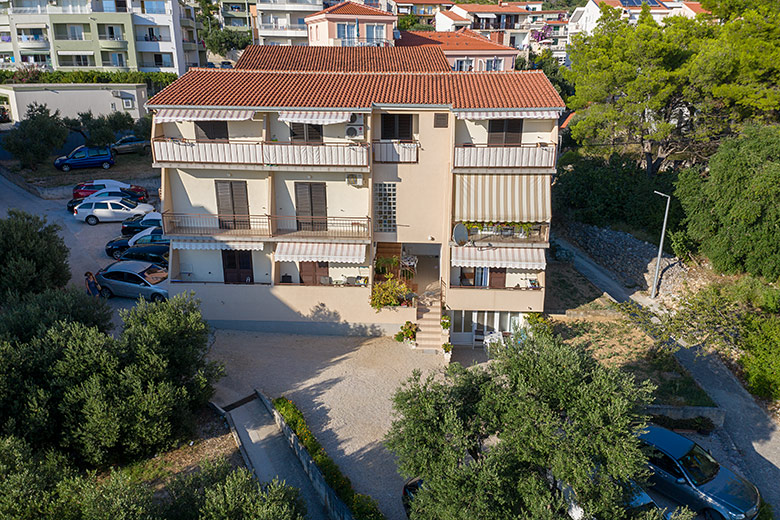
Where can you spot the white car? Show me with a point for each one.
(109, 210)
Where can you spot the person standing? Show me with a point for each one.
(92, 285)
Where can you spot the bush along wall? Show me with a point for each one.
(363, 507)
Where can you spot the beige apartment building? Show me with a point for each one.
(282, 191)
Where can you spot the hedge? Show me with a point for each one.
(363, 507)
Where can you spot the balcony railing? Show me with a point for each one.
(361, 42)
(480, 234)
(147, 38)
(396, 151)
(505, 156)
(33, 38)
(282, 27)
(304, 2)
(268, 153)
(266, 226)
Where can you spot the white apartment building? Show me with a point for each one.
(282, 22)
(287, 195)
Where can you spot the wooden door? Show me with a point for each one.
(311, 206)
(314, 273)
(237, 267)
(232, 204)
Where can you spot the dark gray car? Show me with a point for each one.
(685, 472)
(131, 144)
(131, 279)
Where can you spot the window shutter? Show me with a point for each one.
(224, 198)
(320, 272)
(240, 199)
(496, 131)
(308, 272)
(497, 279)
(440, 120)
(404, 127)
(388, 126)
(514, 131)
(302, 199)
(319, 206)
(297, 132)
(314, 133)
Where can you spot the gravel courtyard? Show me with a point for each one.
(343, 385)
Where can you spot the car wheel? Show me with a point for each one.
(105, 292)
(158, 298)
(117, 254)
(92, 220)
(711, 514)
(65, 167)
(106, 165)
(145, 150)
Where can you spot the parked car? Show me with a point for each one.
(86, 157)
(138, 223)
(123, 193)
(685, 472)
(110, 210)
(156, 254)
(85, 189)
(131, 144)
(411, 487)
(117, 246)
(133, 279)
(225, 65)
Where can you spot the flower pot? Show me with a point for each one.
(447, 357)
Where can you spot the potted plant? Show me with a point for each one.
(407, 334)
(445, 322)
(447, 348)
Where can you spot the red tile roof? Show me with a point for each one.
(464, 39)
(696, 7)
(493, 8)
(343, 59)
(423, 2)
(453, 16)
(353, 8)
(235, 88)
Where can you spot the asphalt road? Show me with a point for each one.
(86, 243)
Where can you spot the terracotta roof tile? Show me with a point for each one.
(343, 59)
(494, 8)
(696, 7)
(223, 88)
(455, 17)
(464, 39)
(353, 8)
(424, 2)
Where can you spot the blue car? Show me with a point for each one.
(86, 157)
(685, 472)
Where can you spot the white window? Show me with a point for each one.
(117, 59)
(494, 64)
(464, 65)
(384, 207)
(127, 103)
(75, 32)
(375, 32)
(346, 31)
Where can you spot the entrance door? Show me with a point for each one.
(232, 204)
(314, 273)
(311, 206)
(237, 266)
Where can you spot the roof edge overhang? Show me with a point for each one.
(261, 109)
(505, 109)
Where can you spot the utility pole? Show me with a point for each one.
(661, 245)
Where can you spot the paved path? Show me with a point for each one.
(754, 434)
(271, 455)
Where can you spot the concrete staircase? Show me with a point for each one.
(429, 320)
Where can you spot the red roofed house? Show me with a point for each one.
(424, 10)
(288, 196)
(350, 24)
(465, 50)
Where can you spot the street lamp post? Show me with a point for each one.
(661, 245)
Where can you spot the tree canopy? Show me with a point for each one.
(490, 441)
(101, 130)
(222, 41)
(37, 136)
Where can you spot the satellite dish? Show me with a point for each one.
(460, 235)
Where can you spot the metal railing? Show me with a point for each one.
(362, 42)
(281, 27)
(396, 151)
(303, 2)
(152, 39)
(32, 38)
(509, 234)
(108, 38)
(529, 287)
(266, 226)
(538, 155)
(71, 37)
(109, 63)
(259, 152)
(163, 65)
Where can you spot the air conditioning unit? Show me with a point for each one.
(355, 119)
(355, 179)
(355, 131)
(116, 93)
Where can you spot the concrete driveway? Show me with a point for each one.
(86, 243)
(343, 385)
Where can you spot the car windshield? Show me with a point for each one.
(154, 275)
(699, 465)
(129, 203)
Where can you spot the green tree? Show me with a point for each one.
(143, 127)
(410, 22)
(100, 130)
(36, 137)
(731, 211)
(222, 41)
(33, 254)
(548, 64)
(241, 497)
(488, 439)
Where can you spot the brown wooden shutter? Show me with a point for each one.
(496, 131)
(388, 126)
(497, 279)
(297, 132)
(240, 204)
(224, 198)
(440, 120)
(314, 133)
(303, 206)
(404, 127)
(319, 206)
(308, 272)
(514, 131)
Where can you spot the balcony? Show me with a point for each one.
(483, 234)
(112, 43)
(168, 150)
(396, 151)
(33, 41)
(361, 42)
(267, 226)
(541, 155)
(281, 29)
(289, 5)
(523, 299)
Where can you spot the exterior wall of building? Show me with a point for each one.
(72, 98)
(469, 131)
(323, 29)
(479, 57)
(192, 191)
(342, 199)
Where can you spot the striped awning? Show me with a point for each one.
(511, 257)
(485, 15)
(172, 115)
(502, 198)
(314, 117)
(318, 252)
(212, 244)
(508, 114)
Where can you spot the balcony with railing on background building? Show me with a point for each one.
(266, 226)
(279, 28)
(361, 42)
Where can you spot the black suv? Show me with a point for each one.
(153, 253)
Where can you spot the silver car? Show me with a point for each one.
(132, 278)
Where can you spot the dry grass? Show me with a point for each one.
(617, 342)
(128, 167)
(567, 289)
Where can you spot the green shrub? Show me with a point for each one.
(388, 293)
(761, 359)
(682, 245)
(362, 507)
(37, 136)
